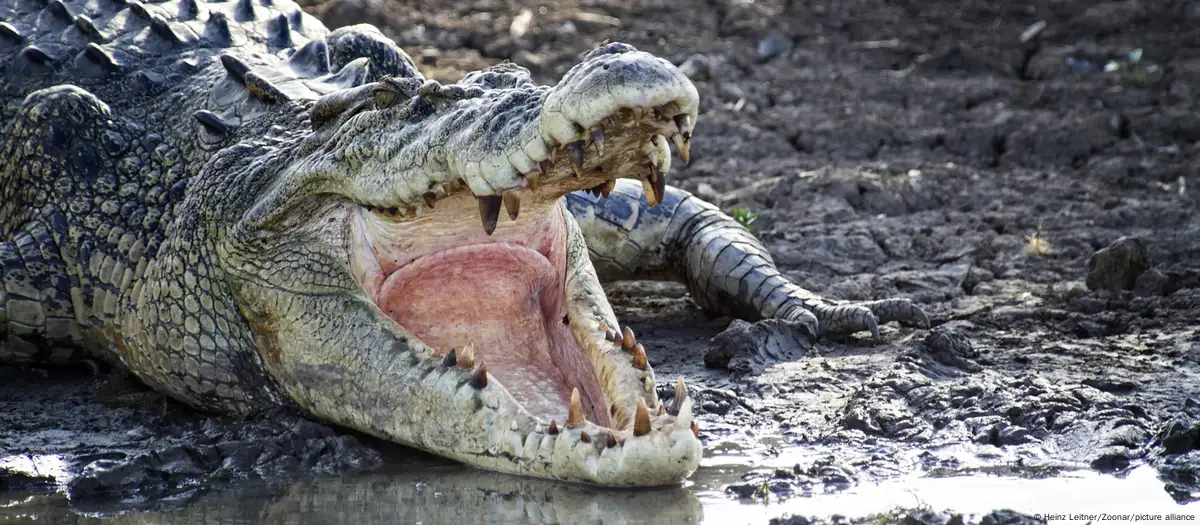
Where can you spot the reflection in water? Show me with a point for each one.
(440, 496)
(452, 494)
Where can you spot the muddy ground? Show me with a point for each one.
(972, 156)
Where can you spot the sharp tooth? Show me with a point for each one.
(603, 327)
(639, 357)
(489, 212)
(598, 140)
(575, 410)
(683, 146)
(628, 340)
(648, 384)
(695, 429)
(659, 185)
(662, 410)
(680, 395)
(514, 427)
(684, 123)
(575, 149)
(450, 359)
(609, 186)
(537, 428)
(466, 358)
(479, 378)
(660, 154)
(641, 419)
(430, 199)
(610, 440)
(584, 437)
(553, 431)
(685, 414)
(512, 204)
(648, 189)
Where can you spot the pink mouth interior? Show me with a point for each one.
(507, 297)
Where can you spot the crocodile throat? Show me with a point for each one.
(505, 298)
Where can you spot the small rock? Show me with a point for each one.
(773, 46)
(742, 490)
(1118, 266)
(1152, 282)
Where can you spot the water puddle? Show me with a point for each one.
(451, 494)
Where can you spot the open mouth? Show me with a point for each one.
(508, 293)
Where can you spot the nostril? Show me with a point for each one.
(606, 67)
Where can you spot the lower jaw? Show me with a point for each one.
(508, 302)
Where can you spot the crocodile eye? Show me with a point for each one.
(384, 98)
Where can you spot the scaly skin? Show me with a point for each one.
(229, 226)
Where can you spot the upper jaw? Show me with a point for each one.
(610, 116)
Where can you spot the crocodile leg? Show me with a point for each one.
(725, 267)
(37, 322)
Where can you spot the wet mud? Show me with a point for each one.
(974, 157)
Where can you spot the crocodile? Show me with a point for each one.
(245, 209)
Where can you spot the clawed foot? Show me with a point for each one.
(867, 316)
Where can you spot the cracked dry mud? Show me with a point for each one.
(912, 149)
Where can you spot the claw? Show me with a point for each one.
(575, 150)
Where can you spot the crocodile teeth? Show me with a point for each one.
(683, 146)
(553, 430)
(451, 358)
(628, 340)
(489, 212)
(648, 189)
(662, 410)
(683, 140)
(479, 378)
(608, 187)
(648, 384)
(684, 122)
(680, 396)
(466, 358)
(512, 204)
(695, 429)
(598, 139)
(639, 357)
(575, 150)
(575, 410)
(641, 419)
(685, 413)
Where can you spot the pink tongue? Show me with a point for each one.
(499, 297)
